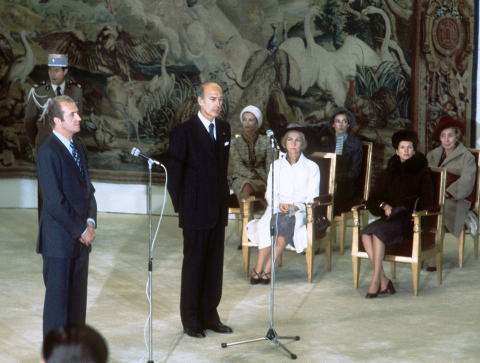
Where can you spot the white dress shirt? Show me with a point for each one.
(207, 123)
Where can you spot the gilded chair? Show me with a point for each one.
(425, 244)
(361, 194)
(322, 204)
(474, 197)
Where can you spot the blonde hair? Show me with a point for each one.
(283, 142)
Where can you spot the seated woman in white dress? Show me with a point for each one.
(297, 182)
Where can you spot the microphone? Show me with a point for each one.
(272, 137)
(136, 152)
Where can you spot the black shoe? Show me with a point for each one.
(219, 328)
(373, 296)
(258, 279)
(265, 279)
(431, 268)
(389, 288)
(195, 332)
(239, 247)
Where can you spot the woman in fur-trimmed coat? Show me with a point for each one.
(406, 179)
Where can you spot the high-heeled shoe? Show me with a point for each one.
(389, 288)
(265, 279)
(256, 277)
(373, 296)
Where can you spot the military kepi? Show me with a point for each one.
(58, 60)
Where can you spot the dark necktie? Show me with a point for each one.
(77, 159)
(212, 135)
(59, 91)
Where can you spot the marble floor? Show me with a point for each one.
(335, 322)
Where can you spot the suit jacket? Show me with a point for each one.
(197, 175)
(67, 202)
(462, 163)
(39, 130)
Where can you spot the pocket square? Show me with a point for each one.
(226, 144)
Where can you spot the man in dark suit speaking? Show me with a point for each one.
(197, 183)
(67, 223)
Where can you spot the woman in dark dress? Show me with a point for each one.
(349, 157)
(405, 180)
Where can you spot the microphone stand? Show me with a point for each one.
(150, 259)
(271, 335)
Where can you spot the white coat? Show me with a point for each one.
(296, 184)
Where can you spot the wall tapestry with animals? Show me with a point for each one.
(394, 63)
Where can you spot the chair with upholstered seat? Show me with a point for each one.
(426, 242)
(360, 197)
(326, 163)
(474, 197)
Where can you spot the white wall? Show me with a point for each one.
(117, 198)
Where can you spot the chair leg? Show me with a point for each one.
(309, 254)
(416, 277)
(342, 229)
(328, 250)
(393, 267)
(246, 258)
(475, 246)
(237, 217)
(280, 260)
(356, 270)
(461, 246)
(439, 264)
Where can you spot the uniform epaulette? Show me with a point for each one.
(70, 84)
(38, 85)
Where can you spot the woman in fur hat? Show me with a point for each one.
(405, 180)
(461, 171)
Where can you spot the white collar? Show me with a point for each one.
(63, 139)
(62, 88)
(205, 122)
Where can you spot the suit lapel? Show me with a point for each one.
(68, 158)
(204, 139)
(222, 139)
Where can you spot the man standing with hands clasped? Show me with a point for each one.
(197, 183)
(67, 222)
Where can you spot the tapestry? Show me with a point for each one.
(396, 64)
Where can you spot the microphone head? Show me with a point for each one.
(269, 133)
(135, 152)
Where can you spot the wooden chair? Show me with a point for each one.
(475, 199)
(234, 208)
(326, 163)
(425, 244)
(361, 194)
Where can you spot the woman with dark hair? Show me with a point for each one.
(297, 182)
(349, 157)
(461, 171)
(404, 186)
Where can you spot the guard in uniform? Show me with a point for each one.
(36, 122)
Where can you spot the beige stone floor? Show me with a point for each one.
(335, 322)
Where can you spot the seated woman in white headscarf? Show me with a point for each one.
(297, 182)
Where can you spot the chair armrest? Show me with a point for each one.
(359, 207)
(430, 211)
(325, 198)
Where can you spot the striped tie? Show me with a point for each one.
(77, 160)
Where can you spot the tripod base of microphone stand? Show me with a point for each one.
(270, 337)
(150, 361)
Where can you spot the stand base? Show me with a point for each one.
(270, 337)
